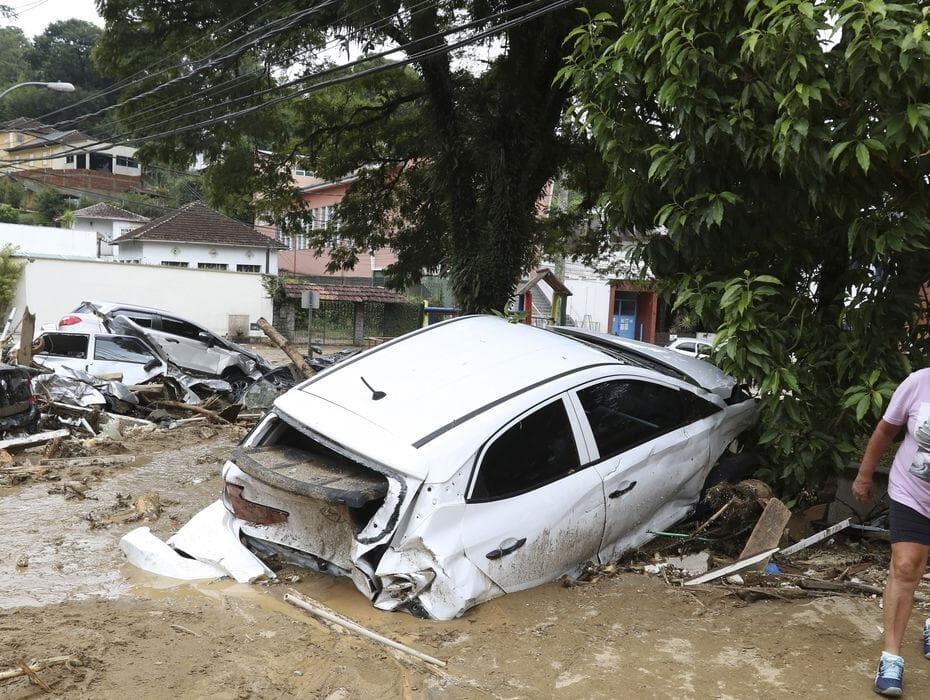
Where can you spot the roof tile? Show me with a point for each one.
(196, 223)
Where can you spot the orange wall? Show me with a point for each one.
(306, 262)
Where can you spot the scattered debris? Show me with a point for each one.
(22, 562)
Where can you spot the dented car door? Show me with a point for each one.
(640, 438)
(533, 511)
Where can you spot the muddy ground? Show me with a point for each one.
(139, 636)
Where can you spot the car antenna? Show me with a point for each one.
(375, 395)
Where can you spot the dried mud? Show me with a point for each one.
(626, 635)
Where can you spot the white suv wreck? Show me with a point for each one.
(477, 457)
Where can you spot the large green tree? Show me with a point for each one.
(447, 157)
(60, 53)
(772, 159)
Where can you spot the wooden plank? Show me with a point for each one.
(99, 461)
(768, 531)
(814, 539)
(731, 568)
(27, 333)
(16, 444)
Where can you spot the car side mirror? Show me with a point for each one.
(206, 338)
(151, 364)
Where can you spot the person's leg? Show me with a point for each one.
(908, 563)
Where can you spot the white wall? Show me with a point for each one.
(53, 287)
(591, 297)
(155, 252)
(107, 229)
(47, 240)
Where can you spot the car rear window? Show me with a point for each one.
(625, 413)
(538, 449)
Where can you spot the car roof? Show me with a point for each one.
(443, 375)
(697, 371)
(107, 306)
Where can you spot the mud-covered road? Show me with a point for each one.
(138, 636)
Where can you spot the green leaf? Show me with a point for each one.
(767, 279)
(806, 9)
(913, 116)
(838, 149)
(863, 407)
(862, 155)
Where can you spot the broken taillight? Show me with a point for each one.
(69, 321)
(252, 512)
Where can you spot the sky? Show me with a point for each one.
(35, 15)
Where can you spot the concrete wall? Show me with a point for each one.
(155, 252)
(53, 287)
(589, 297)
(107, 230)
(47, 240)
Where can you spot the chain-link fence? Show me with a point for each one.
(335, 322)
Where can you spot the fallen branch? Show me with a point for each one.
(182, 628)
(299, 361)
(314, 608)
(34, 677)
(38, 666)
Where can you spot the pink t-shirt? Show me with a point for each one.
(909, 482)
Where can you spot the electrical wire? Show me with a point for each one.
(130, 80)
(239, 81)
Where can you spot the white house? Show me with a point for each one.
(198, 237)
(108, 222)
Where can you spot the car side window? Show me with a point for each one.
(175, 326)
(687, 347)
(536, 450)
(61, 345)
(121, 348)
(140, 318)
(624, 413)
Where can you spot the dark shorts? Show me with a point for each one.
(907, 525)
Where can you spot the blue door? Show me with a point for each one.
(624, 318)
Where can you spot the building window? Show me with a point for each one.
(300, 172)
(323, 217)
(69, 159)
(212, 266)
(131, 262)
(174, 263)
(248, 268)
(127, 162)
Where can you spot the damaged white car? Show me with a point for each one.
(477, 457)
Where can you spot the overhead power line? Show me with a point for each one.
(427, 53)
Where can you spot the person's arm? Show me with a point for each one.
(882, 437)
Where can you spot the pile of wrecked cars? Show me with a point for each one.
(466, 460)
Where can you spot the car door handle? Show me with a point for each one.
(622, 490)
(506, 547)
(172, 340)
